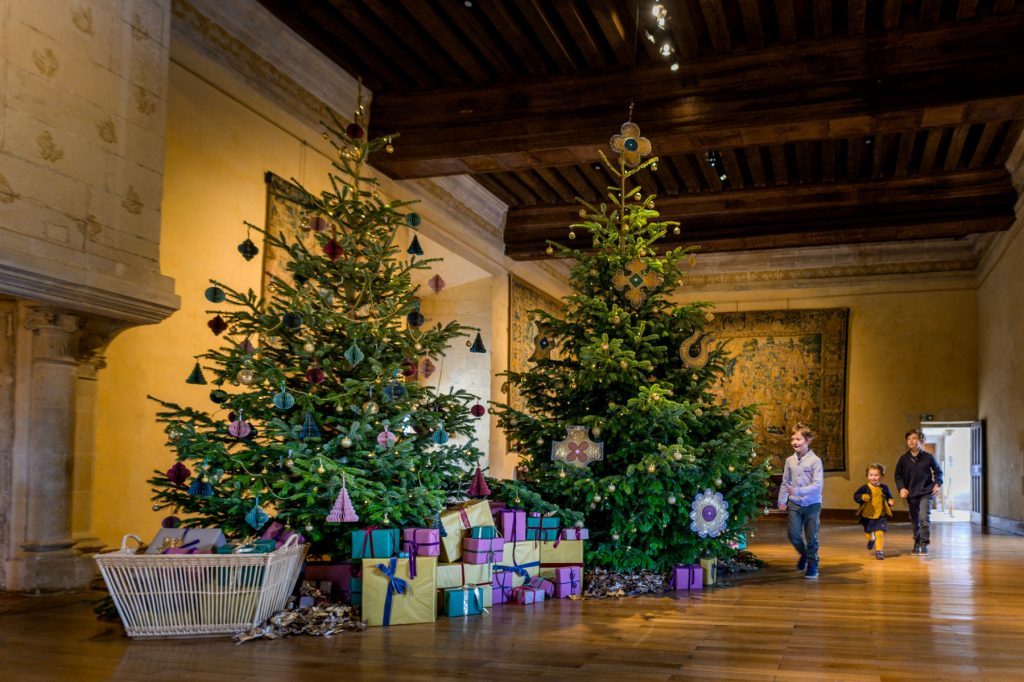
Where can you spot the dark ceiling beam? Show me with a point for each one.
(858, 85)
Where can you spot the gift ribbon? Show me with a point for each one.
(519, 594)
(464, 517)
(413, 548)
(515, 516)
(179, 543)
(518, 569)
(395, 584)
(477, 603)
(368, 537)
(488, 552)
(689, 576)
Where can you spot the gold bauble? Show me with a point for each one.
(346, 442)
(583, 213)
(572, 235)
(709, 316)
(389, 148)
(308, 347)
(245, 376)
(550, 250)
(676, 230)
(604, 346)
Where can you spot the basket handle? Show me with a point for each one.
(292, 540)
(125, 549)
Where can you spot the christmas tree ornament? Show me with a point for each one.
(427, 368)
(346, 443)
(196, 375)
(630, 145)
(478, 410)
(543, 344)
(308, 347)
(333, 250)
(612, 488)
(478, 486)
(414, 247)
(577, 448)
(315, 375)
(696, 350)
(291, 320)
(440, 436)
(200, 487)
(415, 319)
(385, 438)
(217, 325)
(248, 249)
(239, 428)
(636, 281)
(709, 514)
(394, 391)
(597, 498)
(709, 316)
(215, 294)
(218, 396)
(671, 499)
(413, 219)
(343, 511)
(245, 376)
(318, 223)
(256, 517)
(170, 521)
(309, 427)
(355, 131)
(354, 354)
(550, 250)
(178, 473)
(478, 345)
(436, 284)
(410, 368)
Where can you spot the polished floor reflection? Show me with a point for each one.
(955, 614)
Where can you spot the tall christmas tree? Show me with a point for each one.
(621, 420)
(316, 383)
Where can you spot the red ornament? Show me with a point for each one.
(410, 368)
(217, 325)
(354, 130)
(478, 410)
(178, 473)
(478, 487)
(333, 250)
(315, 375)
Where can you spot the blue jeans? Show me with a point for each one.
(804, 522)
(920, 512)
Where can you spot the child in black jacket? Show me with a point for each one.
(876, 503)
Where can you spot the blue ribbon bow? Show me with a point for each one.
(395, 584)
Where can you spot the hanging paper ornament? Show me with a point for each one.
(703, 350)
(354, 354)
(291, 320)
(409, 368)
(414, 247)
(478, 345)
(370, 407)
(709, 514)
(284, 400)
(217, 325)
(218, 396)
(333, 250)
(354, 130)
(385, 438)
(215, 294)
(438, 524)
(630, 145)
(343, 511)
(246, 376)
(436, 284)
(394, 391)
(636, 280)
(246, 346)
(309, 427)
(315, 375)
(440, 436)
(239, 428)
(415, 319)
(413, 219)
(200, 487)
(577, 448)
(478, 410)
(427, 368)
(196, 376)
(543, 344)
(318, 223)
(478, 487)
(256, 516)
(248, 249)
(178, 473)
(170, 522)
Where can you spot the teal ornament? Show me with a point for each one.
(196, 376)
(248, 249)
(414, 248)
(438, 525)
(394, 391)
(256, 516)
(440, 436)
(218, 396)
(413, 219)
(415, 319)
(292, 320)
(354, 354)
(215, 294)
(200, 487)
(309, 427)
(284, 400)
(478, 345)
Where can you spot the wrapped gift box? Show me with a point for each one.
(476, 551)
(501, 587)
(464, 575)
(512, 524)
(527, 595)
(421, 541)
(483, 533)
(392, 597)
(456, 521)
(279, 534)
(686, 577)
(568, 581)
(542, 527)
(575, 534)
(710, 568)
(463, 601)
(202, 540)
(374, 543)
(563, 552)
(340, 575)
(539, 583)
(355, 595)
(522, 559)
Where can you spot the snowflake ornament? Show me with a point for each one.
(709, 514)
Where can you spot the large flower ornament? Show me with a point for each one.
(630, 145)
(577, 448)
(709, 514)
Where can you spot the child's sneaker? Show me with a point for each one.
(879, 555)
(812, 570)
(917, 549)
(924, 550)
(871, 542)
(802, 564)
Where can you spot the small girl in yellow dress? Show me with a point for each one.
(876, 503)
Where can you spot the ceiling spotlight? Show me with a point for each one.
(659, 11)
(661, 23)
(868, 140)
(468, 3)
(649, 36)
(723, 177)
(675, 66)
(666, 50)
(595, 166)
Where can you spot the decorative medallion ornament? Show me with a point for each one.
(436, 284)
(239, 428)
(256, 516)
(478, 410)
(709, 515)
(217, 325)
(543, 344)
(284, 400)
(215, 294)
(634, 279)
(440, 436)
(248, 249)
(354, 354)
(694, 351)
(427, 368)
(386, 438)
(577, 448)
(178, 473)
(630, 145)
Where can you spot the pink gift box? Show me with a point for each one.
(501, 586)
(575, 534)
(482, 551)
(568, 580)
(421, 541)
(512, 523)
(539, 583)
(686, 577)
(527, 595)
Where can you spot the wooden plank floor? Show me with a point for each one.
(957, 614)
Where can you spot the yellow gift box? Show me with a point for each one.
(457, 520)
(521, 554)
(416, 605)
(567, 552)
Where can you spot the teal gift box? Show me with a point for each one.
(355, 586)
(375, 543)
(544, 528)
(243, 575)
(483, 532)
(463, 601)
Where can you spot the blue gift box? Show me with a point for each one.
(463, 601)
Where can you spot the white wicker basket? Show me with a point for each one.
(198, 595)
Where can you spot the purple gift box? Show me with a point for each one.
(501, 587)
(279, 534)
(687, 577)
(512, 523)
(575, 534)
(422, 541)
(539, 583)
(482, 551)
(568, 580)
(527, 595)
(339, 574)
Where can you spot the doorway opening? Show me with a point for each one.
(950, 444)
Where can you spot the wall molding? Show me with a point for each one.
(1005, 525)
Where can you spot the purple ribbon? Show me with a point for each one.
(395, 584)
(413, 547)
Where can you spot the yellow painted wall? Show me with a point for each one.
(909, 353)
